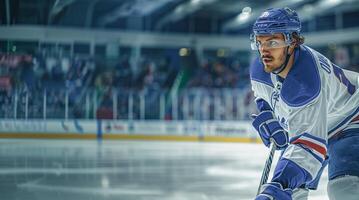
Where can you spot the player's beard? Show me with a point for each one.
(274, 64)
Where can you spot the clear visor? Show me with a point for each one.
(269, 44)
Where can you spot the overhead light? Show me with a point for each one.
(334, 1)
(244, 15)
(105, 182)
(183, 52)
(308, 7)
(195, 1)
(222, 53)
(330, 3)
(247, 10)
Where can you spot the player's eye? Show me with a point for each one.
(273, 43)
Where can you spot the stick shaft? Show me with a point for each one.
(267, 166)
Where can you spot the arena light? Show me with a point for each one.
(247, 10)
(308, 8)
(328, 4)
(183, 52)
(105, 182)
(222, 53)
(243, 17)
(333, 2)
(194, 2)
(245, 14)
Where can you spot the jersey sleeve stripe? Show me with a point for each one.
(316, 147)
(342, 124)
(355, 120)
(315, 144)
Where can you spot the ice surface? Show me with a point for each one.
(132, 170)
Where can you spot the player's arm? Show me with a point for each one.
(265, 122)
(305, 156)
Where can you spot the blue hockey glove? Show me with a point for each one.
(268, 127)
(274, 190)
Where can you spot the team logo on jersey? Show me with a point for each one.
(283, 123)
(265, 14)
(274, 99)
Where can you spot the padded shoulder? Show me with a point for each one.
(302, 84)
(258, 74)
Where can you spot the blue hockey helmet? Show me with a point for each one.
(277, 20)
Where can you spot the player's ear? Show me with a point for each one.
(294, 43)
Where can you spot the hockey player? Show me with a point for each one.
(308, 106)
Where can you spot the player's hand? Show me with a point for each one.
(268, 127)
(275, 191)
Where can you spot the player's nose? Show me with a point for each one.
(264, 50)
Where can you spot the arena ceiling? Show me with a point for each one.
(175, 16)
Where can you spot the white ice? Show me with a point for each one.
(132, 170)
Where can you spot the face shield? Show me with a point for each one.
(269, 44)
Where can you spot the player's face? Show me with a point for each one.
(272, 50)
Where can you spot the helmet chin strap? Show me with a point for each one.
(284, 64)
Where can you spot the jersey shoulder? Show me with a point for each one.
(258, 74)
(302, 84)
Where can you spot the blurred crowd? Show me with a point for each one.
(218, 74)
(122, 88)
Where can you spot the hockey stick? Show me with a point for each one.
(267, 166)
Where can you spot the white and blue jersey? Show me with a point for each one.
(316, 103)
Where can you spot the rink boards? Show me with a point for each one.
(210, 131)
